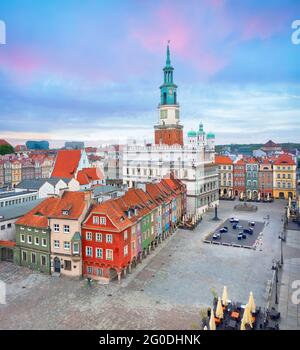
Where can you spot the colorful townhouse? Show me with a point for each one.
(225, 165)
(148, 210)
(166, 211)
(265, 179)
(284, 177)
(172, 206)
(106, 236)
(131, 209)
(33, 237)
(252, 167)
(65, 219)
(16, 172)
(155, 193)
(239, 174)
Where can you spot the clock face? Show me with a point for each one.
(170, 92)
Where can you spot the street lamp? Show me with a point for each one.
(282, 239)
(275, 267)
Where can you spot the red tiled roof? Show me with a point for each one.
(53, 207)
(284, 159)
(223, 160)
(66, 163)
(112, 210)
(240, 162)
(86, 175)
(37, 217)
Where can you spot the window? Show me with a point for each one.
(33, 258)
(88, 236)
(109, 254)
(43, 260)
(99, 272)
(67, 245)
(76, 248)
(126, 250)
(89, 269)
(36, 241)
(29, 239)
(56, 244)
(44, 242)
(56, 228)
(67, 265)
(99, 253)
(89, 251)
(103, 221)
(95, 220)
(24, 256)
(133, 245)
(125, 235)
(66, 229)
(99, 237)
(109, 238)
(22, 238)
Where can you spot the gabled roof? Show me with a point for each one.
(223, 160)
(240, 162)
(270, 144)
(114, 213)
(66, 163)
(87, 175)
(284, 159)
(38, 216)
(36, 184)
(53, 207)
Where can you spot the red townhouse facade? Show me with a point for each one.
(239, 178)
(265, 179)
(106, 242)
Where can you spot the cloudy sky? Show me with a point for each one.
(74, 70)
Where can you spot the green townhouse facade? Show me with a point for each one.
(33, 243)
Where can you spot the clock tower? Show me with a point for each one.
(168, 131)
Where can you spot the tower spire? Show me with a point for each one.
(168, 60)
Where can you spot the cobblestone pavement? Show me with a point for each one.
(290, 311)
(166, 291)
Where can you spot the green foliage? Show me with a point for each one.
(6, 149)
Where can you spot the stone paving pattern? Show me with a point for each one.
(166, 291)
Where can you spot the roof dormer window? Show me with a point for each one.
(65, 212)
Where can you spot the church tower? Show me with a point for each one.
(168, 131)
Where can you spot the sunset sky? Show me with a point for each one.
(90, 70)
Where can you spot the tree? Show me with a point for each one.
(6, 149)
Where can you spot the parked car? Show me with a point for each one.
(234, 226)
(251, 223)
(248, 230)
(233, 220)
(240, 236)
(223, 230)
(216, 236)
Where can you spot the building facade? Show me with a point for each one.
(265, 179)
(225, 166)
(284, 177)
(169, 155)
(239, 181)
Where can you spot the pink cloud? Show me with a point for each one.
(187, 42)
(263, 26)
